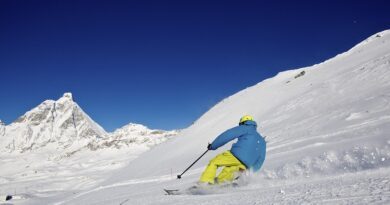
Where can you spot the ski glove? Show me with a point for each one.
(209, 146)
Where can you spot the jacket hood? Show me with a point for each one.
(250, 122)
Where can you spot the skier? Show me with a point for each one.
(247, 153)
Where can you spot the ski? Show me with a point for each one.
(172, 191)
(199, 190)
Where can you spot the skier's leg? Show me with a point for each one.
(231, 169)
(226, 159)
(228, 174)
(209, 173)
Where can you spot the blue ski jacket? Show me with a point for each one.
(250, 147)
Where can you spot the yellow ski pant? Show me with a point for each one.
(227, 160)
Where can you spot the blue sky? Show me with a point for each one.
(165, 63)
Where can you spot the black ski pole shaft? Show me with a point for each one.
(179, 176)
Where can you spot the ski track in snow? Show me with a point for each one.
(369, 187)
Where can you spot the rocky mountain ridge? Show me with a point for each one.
(62, 125)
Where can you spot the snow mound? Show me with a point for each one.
(358, 158)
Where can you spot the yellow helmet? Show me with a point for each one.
(245, 118)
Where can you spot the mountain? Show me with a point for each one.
(64, 127)
(53, 124)
(327, 134)
(133, 135)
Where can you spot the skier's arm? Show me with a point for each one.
(227, 136)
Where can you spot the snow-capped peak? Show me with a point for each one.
(56, 124)
(67, 96)
(132, 127)
(133, 135)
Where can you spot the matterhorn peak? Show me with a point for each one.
(65, 102)
(61, 122)
(66, 97)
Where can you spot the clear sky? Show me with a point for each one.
(164, 63)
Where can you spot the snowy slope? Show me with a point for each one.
(327, 132)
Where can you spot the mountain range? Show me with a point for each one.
(61, 125)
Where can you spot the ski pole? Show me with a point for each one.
(179, 176)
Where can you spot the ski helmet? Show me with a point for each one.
(245, 118)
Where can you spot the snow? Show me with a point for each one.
(327, 139)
